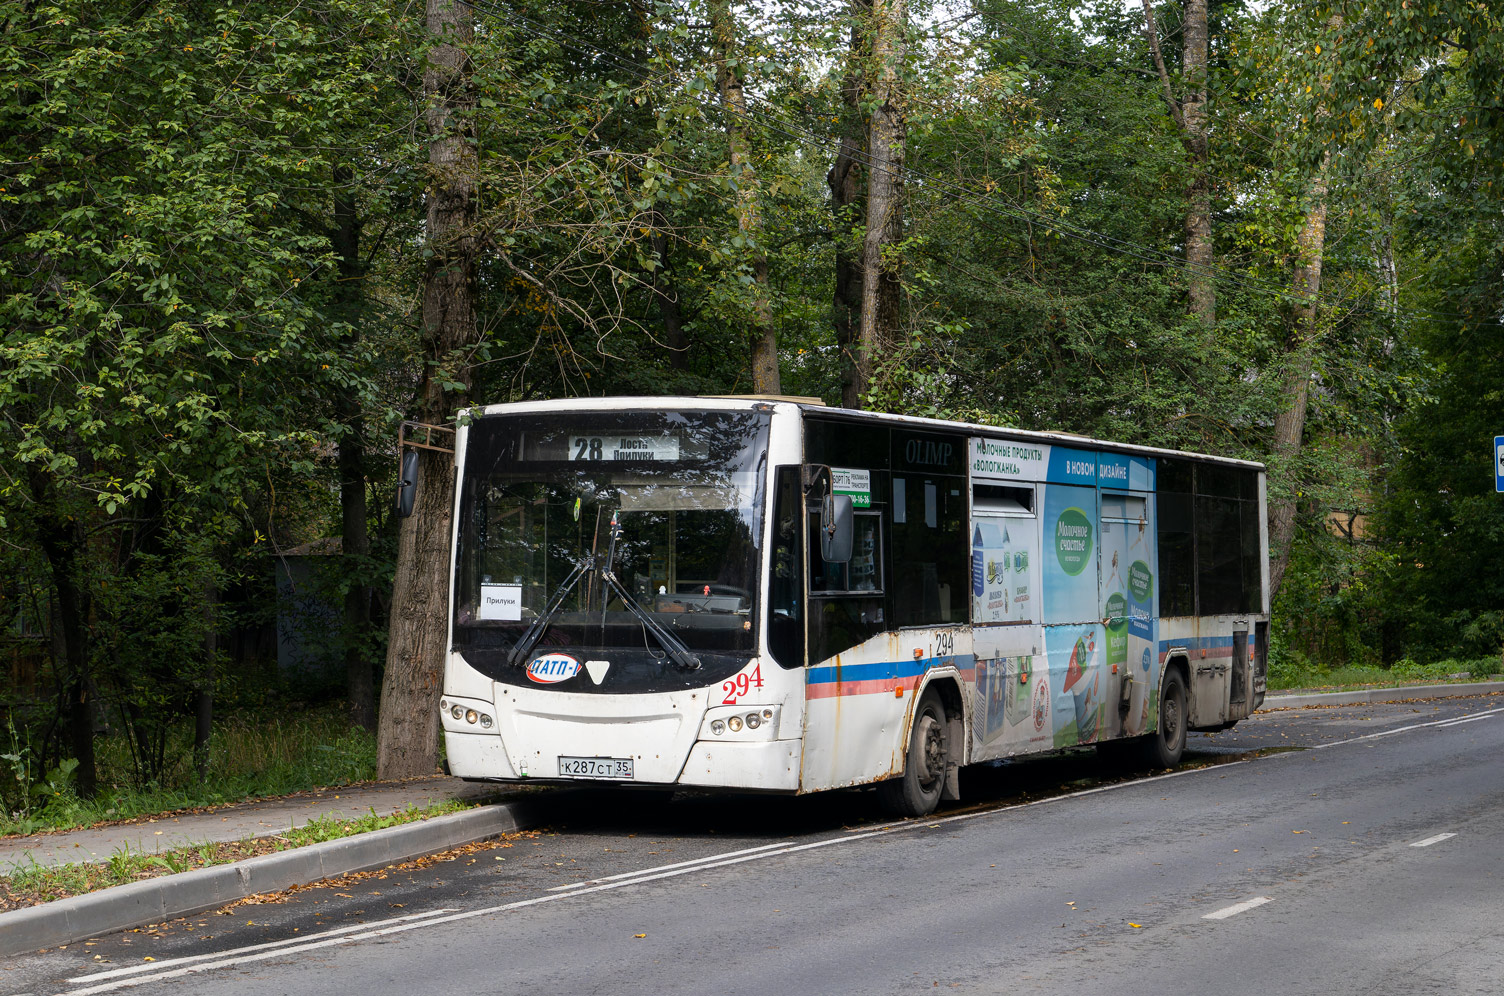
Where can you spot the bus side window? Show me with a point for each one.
(786, 594)
(931, 551)
(846, 599)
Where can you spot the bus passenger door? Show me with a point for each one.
(1006, 635)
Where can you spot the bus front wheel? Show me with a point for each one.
(917, 791)
(1164, 746)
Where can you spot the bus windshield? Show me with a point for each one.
(613, 534)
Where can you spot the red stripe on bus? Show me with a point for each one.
(876, 686)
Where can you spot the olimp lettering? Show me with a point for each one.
(924, 451)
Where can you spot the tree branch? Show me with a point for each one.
(1152, 34)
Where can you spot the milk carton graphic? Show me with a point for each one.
(991, 572)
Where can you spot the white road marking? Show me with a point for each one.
(682, 864)
(1237, 908)
(171, 962)
(1404, 729)
(1433, 840)
(1470, 719)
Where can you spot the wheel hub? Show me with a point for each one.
(933, 750)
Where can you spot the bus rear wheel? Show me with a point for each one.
(917, 791)
(1163, 747)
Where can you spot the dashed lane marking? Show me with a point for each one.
(1237, 908)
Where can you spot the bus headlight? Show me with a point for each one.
(473, 716)
(743, 723)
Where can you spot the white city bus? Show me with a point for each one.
(766, 594)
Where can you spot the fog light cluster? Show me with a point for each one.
(751, 721)
(470, 716)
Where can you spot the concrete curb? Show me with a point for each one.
(76, 918)
(1363, 695)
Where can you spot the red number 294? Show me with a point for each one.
(740, 685)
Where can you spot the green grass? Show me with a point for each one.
(39, 883)
(253, 753)
(1296, 673)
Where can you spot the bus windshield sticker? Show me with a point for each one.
(856, 483)
(615, 446)
(552, 668)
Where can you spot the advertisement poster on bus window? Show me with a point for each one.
(1074, 637)
(1069, 554)
(1004, 562)
(1127, 570)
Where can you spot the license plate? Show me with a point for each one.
(596, 767)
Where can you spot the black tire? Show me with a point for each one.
(1163, 747)
(917, 791)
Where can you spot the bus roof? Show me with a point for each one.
(815, 407)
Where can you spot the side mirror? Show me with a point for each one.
(407, 484)
(835, 529)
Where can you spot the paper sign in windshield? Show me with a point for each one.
(500, 602)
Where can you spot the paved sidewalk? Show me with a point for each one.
(263, 818)
(1300, 699)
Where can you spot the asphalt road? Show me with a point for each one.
(1301, 852)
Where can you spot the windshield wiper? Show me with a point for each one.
(671, 643)
(530, 636)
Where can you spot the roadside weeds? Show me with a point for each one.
(41, 884)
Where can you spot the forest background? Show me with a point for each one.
(240, 243)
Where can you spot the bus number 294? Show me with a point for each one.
(740, 685)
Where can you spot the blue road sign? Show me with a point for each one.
(1499, 463)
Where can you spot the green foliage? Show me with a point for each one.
(254, 752)
(212, 238)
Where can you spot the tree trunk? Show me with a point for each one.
(203, 693)
(1389, 278)
(728, 80)
(60, 538)
(360, 691)
(407, 737)
(1200, 257)
(1189, 113)
(881, 290)
(845, 181)
(1290, 420)
(669, 312)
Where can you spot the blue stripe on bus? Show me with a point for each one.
(1197, 643)
(879, 670)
